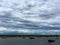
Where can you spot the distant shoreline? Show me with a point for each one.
(29, 35)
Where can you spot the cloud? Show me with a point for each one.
(3, 28)
(30, 14)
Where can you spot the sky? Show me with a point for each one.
(30, 17)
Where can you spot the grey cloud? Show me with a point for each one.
(30, 15)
